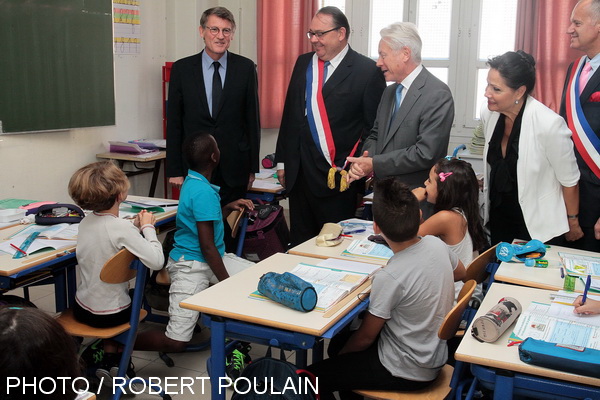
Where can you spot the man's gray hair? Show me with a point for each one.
(404, 34)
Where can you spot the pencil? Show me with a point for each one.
(18, 249)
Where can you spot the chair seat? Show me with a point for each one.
(76, 328)
(438, 390)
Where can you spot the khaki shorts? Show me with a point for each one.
(188, 278)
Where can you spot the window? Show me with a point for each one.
(458, 38)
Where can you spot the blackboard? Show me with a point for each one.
(56, 65)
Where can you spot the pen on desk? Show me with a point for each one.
(588, 283)
(18, 249)
(562, 273)
(355, 231)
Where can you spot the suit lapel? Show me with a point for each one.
(199, 82)
(591, 87)
(340, 74)
(410, 98)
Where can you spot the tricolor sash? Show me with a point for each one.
(585, 139)
(318, 121)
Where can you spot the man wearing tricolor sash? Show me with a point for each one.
(330, 107)
(580, 106)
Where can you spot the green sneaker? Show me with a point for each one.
(235, 364)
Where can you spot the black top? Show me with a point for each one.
(503, 188)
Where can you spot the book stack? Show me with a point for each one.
(477, 141)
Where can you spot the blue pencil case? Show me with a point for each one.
(568, 358)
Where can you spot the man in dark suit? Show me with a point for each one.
(330, 105)
(218, 99)
(581, 92)
(410, 136)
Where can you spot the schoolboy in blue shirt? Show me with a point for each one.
(198, 257)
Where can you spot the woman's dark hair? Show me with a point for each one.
(460, 190)
(517, 68)
(34, 345)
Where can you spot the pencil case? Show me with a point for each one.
(289, 290)
(51, 214)
(330, 235)
(516, 252)
(562, 357)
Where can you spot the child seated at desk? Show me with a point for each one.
(198, 257)
(102, 187)
(396, 347)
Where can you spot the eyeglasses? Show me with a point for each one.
(215, 31)
(319, 34)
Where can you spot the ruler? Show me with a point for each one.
(25, 245)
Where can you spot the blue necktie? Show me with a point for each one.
(327, 63)
(398, 99)
(217, 88)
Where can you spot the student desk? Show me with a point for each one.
(497, 366)
(230, 313)
(17, 272)
(542, 278)
(267, 190)
(310, 249)
(156, 158)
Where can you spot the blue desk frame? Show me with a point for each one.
(222, 328)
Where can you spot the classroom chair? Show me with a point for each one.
(441, 387)
(482, 267)
(122, 267)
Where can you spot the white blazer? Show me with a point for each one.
(546, 163)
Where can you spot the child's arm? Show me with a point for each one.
(420, 193)
(206, 236)
(459, 272)
(447, 225)
(590, 306)
(364, 337)
(239, 204)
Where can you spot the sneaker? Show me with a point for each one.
(235, 364)
(136, 386)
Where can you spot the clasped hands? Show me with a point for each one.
(360, 167)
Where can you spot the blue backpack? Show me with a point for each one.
(270, 378)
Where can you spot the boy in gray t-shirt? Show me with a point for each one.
(396, 346)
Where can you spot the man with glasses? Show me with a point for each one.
(216, 92)
(330, 106)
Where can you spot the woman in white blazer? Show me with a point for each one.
(531, 175)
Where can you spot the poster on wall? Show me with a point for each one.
(127, 26)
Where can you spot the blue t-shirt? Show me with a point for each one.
(199, 201)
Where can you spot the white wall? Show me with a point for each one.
(38, 166)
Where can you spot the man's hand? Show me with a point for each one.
(251, 179)
(597, 229)
(176, 181)
(360, 167)
(281, 176)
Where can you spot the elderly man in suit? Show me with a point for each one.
(330, 106)
(412, 128)
(580, 106)
(216, 92)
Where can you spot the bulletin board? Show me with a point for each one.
(56, 65)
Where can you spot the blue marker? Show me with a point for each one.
(354, 231)
(588, 283)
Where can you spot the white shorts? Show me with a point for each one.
(188, 278)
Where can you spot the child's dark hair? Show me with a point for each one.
(460, 189)
(35, 345)
(197, 150)
(395, 210)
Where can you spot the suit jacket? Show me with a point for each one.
(236, 126)
(589, 208)
(419, 134)
(351, 95)
(546, 163)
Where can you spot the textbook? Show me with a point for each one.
(557, 323)
(150, 205)
(364, 248)
(577, 264)
(129, 148)
(59, 231)
(332, 279)
(37, 245)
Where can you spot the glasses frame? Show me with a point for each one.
(320, 34)
(226, 31)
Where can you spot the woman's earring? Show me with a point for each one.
(516, 101)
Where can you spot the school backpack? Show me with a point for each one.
(267, 233)
(270, 378)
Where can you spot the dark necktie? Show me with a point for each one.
(217, 88)
(325, 66)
